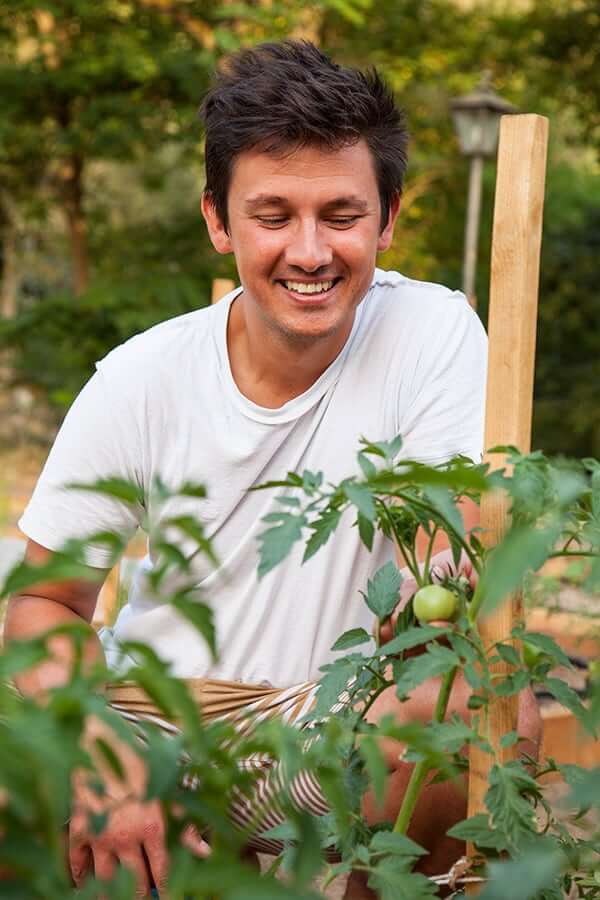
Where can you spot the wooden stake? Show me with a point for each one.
(516, 244)
(220, 287)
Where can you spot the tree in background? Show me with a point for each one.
(124, 167)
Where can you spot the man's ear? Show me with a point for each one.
(385, 238)
(216, 230)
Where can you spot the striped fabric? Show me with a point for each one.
(243, 706)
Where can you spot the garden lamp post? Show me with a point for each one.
(476, 120)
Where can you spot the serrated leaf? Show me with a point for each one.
(201, 617)
(396, 845)
(413, 637)
(368, 469)
(534, 872)
(567, 697)
(383, 590)
(117, 488)
(375, 766)
(322, 528)
(434, 662)
(366, 530)
(512, 813)
(97, 822)
(194, 529)
(352, 638)
(114, 763)
(191, 489)
(361, 496)
(441, 500)
(548, 645)
(478, 831)
(394, 881)
(275, 543)
(523, 549)
(509, 739)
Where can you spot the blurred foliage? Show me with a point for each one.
(116, 87)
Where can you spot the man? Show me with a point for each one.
(305, 162)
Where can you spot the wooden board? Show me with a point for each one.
(512, 319)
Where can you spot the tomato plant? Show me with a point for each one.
(555, 510)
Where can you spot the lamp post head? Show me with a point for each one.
(477, 119)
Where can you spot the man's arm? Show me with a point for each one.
(135, 830)
(47, 605)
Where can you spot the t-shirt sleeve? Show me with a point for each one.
(446, 413)
(98, 439)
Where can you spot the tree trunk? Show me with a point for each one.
(76, 223)
(10, 273)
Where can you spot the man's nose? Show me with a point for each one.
(308, 248)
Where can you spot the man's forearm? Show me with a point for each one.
(26, 618)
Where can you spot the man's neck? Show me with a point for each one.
(269, 368)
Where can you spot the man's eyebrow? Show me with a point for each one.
(344, 202)
(337, 203)
(264, 200)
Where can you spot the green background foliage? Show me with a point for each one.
(101, 167)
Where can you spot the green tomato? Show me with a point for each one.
(532, 655)
(434, 602)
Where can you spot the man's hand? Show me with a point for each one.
(134, 832)
(441, 564)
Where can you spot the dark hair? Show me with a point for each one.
(285, 95)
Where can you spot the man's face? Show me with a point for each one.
(305, 230)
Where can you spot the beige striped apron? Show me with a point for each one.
(243, 706)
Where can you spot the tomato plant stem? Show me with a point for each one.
(423, 767)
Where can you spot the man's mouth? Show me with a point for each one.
(310, 288)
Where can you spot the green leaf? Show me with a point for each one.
(97, 822)
(334, 683)
(396, 845)
(105, 749)
(413, 637)
(435, 661)
(58, 568)
(512, 813)
(368, 469)
(275, 543)
(191, 489)
(194, 529)
(523, 549)
(375, 766)
(442, 501)
(393, 881)
(477, 830)
(162, 758)
(545, 643)
(567, 697)
(200, 615)
(352, 638)
(118, 488)
(366, 530)
(508, 654)
(509, 739)
(361, 497)
(383, 590)
(534, 871)
(322, 529)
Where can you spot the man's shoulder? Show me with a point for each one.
(170, 342)
(415, 304)
(392, 286)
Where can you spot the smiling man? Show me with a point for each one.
(305, 162)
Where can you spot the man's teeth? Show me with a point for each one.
(316, 288)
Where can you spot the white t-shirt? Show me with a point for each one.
(165, 403)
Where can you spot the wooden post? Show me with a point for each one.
(220, 287)
(516, 244)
